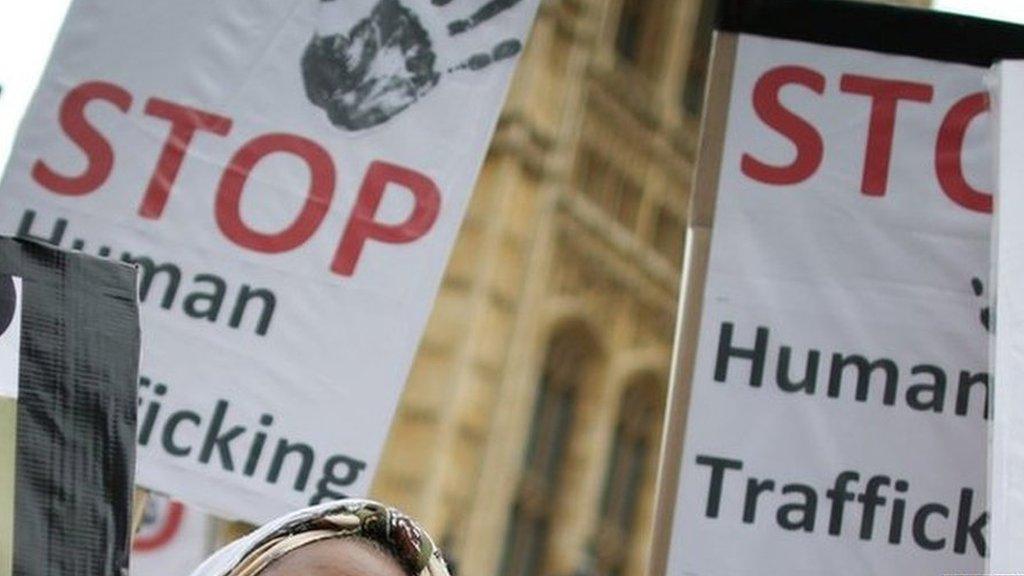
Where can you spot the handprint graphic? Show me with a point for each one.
(372, 59)
(985, 316)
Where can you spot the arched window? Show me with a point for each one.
(631, 470)
(570, 356)
(641, 34)
(630, 35)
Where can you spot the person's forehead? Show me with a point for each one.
(340, 557)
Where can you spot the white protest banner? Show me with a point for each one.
(1007, 449)
(290, 176)
(833, 343)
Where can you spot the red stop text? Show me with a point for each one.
(186, 123)
(886, 97)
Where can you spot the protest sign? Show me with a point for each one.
(1007, 450)
(832, 368)
(290, 177)
(69, 354)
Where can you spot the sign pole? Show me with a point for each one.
(8, 449)
(1006, 449)
(139, 501)
(698, 249)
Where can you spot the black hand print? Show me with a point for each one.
(985, 316)
(374, 66)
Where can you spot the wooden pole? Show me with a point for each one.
(8, 450)
(698, 248)
(139, 501)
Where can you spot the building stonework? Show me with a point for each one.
(565, 272)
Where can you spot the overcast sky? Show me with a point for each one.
(28, 28)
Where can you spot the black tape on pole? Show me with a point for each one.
(877, 27)
(76, 411)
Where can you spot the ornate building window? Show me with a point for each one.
(669, 235)
(641, 31)
(629, 39)
(569, 356)
(630, 468)
(603, 182)
(630, 196)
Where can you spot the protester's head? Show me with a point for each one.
(353, 556)
(345, 538)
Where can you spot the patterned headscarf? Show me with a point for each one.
(396, 532)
